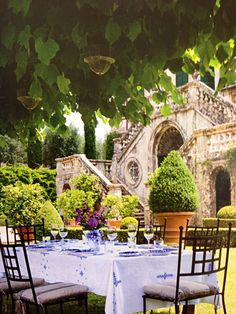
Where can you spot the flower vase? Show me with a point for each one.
(94, 238)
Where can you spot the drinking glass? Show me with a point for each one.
(54, 231)
(63, 233)
(148, 233)
(111, 234)
(158, 240)
(132, 232)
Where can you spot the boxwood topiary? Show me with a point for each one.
(127, 221)
(50, 215)
(172, 186)
(227, 212)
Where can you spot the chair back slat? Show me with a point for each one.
(195, 230)
(14, 270)
(207, 254)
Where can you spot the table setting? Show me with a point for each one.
(110, 268)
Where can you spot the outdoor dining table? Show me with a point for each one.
(118, 276)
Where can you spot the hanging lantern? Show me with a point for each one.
(99, 64)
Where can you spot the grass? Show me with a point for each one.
(96, 303)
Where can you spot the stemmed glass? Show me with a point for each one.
(111, 234)
(63, 233)
(54, 231)
(148, 233)
(132, 231)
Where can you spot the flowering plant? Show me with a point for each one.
(90, 218)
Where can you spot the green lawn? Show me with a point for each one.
(96, 303)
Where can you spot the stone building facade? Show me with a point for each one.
(203, 130)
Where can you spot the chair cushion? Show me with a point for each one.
(18, 285)
(188, 289)
(53, 292)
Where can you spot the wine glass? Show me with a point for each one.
(111, 234)
(63, 233)
(54, 231)
(132, 231)
(148, 233)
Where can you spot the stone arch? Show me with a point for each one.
(223, 189)
(219, 191)
(167, 136)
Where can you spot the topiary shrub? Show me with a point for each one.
(50, 215)
(128, 221)
(172, 186)
(228, 212)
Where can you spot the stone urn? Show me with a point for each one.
(174, 221)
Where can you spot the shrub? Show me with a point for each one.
(127, 221)
(112, 205)
(172, 186)
(22, 202)
(71, 200)
(120, 206)
(87, 183)
(2, 219)
(45, 177)
(224, 223)
(50, 215)
(227, 212)
(129, 205)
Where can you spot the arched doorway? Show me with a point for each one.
(66, 186)
(223, 189)
(170, 140)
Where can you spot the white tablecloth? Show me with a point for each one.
(120, 279)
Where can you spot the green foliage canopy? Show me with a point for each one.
(12, 151)
(172, 186)
(43, 57)
(58, 145)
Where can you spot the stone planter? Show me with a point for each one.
(174, 221)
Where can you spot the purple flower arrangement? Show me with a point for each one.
(90, 218)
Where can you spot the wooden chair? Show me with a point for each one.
(29, 232)
(207, 258)
(160, 229)
(140, 225)
(199, 230)
(40, 296)
(16, 286)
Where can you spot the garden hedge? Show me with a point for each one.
(45, 177)
(122, 235)
(224, 223)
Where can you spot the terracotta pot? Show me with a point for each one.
(174, 221)
(114, 223)
(70, 222)
(25, 231)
